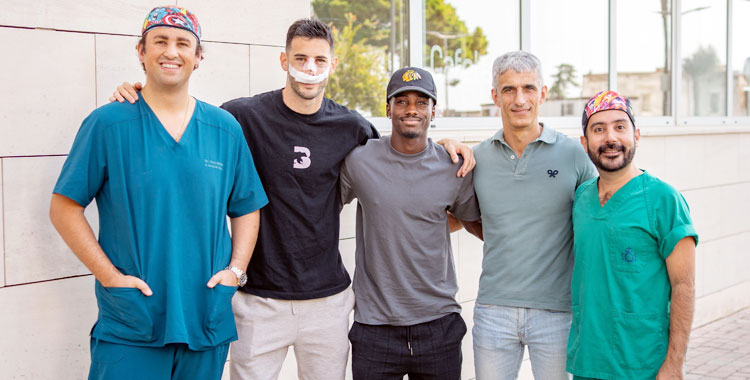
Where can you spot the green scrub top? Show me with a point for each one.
(620, 287)
(163, 208)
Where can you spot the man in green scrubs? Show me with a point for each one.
(633, 280)
(165, 172)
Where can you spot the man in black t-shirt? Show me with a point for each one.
(298, 291)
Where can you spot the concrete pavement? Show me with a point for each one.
(721, 349)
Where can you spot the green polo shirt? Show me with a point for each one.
(526, 205)
(620, 285)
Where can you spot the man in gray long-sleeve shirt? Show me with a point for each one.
(407, 319)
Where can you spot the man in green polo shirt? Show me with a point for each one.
(633, 281)
(525, 179)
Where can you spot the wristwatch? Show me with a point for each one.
(241, 275)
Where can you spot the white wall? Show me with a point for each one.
(61, 59)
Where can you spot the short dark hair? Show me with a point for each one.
(309, 28)
(142, 45)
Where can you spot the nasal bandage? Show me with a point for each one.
(307, 78)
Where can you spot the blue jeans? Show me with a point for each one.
(501, 332)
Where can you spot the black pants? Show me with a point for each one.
(426, 351)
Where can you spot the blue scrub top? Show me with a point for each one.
(162, 217)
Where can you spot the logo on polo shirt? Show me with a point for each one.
(629, 255)
(552, 173)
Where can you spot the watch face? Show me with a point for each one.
(243, 279)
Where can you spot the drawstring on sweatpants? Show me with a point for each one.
(408, 340)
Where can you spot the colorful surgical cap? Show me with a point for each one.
(604, 101)
(173, 16)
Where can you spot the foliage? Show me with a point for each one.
(362, 30)
(703, 61)
(360, 78)
(374, 14)
(441, 18)
(564, 78)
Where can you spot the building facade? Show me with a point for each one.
(63, 59)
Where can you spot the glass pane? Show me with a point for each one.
(369, 41)
(644, 54)
(741, 58)
(463, 38)
(571, 39)
(703, 58)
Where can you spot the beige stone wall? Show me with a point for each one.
(60, 60)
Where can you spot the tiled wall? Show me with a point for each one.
(62, 59)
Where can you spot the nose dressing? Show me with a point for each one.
(307, 78)
(310, 65)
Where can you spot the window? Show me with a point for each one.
(703, 58)
(644, 50)
(370, 42)
(570, 38)
(462, 40)
(740, 58)
(669, 56)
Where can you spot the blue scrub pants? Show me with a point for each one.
(114, 361)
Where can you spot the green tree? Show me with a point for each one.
(360, 78)
(445, 29)
(564, 78)
(367, 37)
(373, 14)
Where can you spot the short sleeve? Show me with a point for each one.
(247, 193)
(585, 168)
(85, 169)
(466, 206)
(673, 221)
(366, 131)
(345, 185)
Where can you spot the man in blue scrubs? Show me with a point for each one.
(633, 280)
(165, 172)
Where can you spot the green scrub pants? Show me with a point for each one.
(114, 361)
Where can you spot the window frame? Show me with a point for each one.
(417, 38)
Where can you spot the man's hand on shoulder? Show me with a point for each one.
(454, 148)
(126, 91)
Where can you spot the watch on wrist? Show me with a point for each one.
(241, 275)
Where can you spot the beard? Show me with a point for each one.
(611, 165)
(409, 134)
(297, 88)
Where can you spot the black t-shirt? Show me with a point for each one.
(298, 158)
